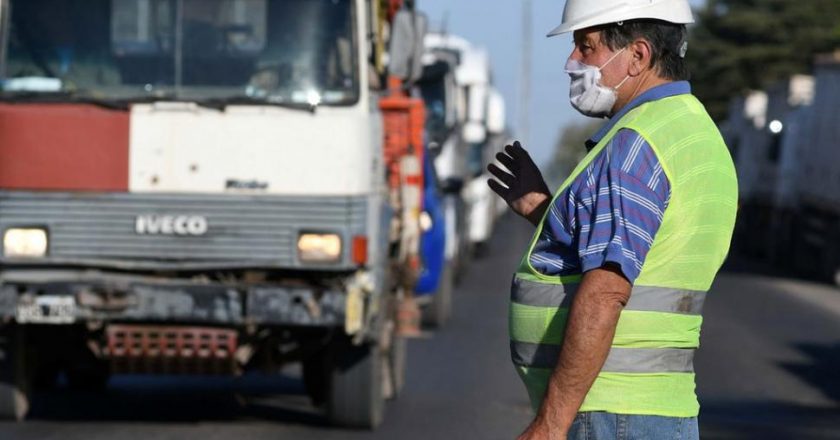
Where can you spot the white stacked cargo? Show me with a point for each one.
(747, 117)
(819, 184)
(788, 110)
(816, 229)
(784, 101)
(744, 135)
(767, 162)
(795, 138)
(793, 130)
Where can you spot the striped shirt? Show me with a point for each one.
(611, 212)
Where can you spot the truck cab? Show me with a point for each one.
(198, 186)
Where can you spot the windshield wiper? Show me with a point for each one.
(219, 104)
(222, 103)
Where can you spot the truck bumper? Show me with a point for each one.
(66, 297)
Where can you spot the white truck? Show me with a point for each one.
(785, 143)
(478, 125)
(758, 132)
(813, 134)
(449, 148)
(202, 186)
(485, 206)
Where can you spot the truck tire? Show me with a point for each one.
(393, 350)
(455, 213)
(316, 376)
(14, 389)
(355, 389)
(396, 356)
(462, 265)
(439, 310)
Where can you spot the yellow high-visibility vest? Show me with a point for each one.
(649, 369)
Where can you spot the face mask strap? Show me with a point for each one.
(622, 82)
(612, 58)
(609, 61)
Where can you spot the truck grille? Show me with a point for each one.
(259, 229)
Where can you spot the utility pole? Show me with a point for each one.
(525, 75)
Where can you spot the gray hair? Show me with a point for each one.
(668, 42)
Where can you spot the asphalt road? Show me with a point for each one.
(769, 368)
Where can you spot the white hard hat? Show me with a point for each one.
(581, 14)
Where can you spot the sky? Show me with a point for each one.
(497, 26)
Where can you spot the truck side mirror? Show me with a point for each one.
(406, 50)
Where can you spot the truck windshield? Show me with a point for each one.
(434, 96)
(277, 51)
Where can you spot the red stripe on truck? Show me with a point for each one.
(70, 147)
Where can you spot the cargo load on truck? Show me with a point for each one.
(784, 140)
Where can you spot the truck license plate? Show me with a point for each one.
(48, 309)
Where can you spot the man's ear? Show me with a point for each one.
(640, 50)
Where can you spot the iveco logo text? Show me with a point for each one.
(171, 225)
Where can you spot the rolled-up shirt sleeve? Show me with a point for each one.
(620, 208)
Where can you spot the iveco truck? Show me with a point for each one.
(206, 187)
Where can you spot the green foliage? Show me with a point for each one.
(569, 150)
(738, 45)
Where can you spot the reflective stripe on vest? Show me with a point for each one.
(619, 360)
(642, 298)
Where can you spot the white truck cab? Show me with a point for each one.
(200, 172)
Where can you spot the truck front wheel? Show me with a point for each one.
(14, 389)
(439, 309)
(355, 385)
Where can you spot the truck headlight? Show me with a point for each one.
(319, 248)
(25, 243)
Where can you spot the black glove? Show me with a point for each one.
(524, 188)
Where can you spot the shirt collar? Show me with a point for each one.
(661, 91)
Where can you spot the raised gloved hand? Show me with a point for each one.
(524, 188)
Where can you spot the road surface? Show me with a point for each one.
(769, 368)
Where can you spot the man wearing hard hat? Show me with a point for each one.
(606, 303)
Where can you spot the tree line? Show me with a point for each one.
(735, 46)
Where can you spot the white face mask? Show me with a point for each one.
(586, 94)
